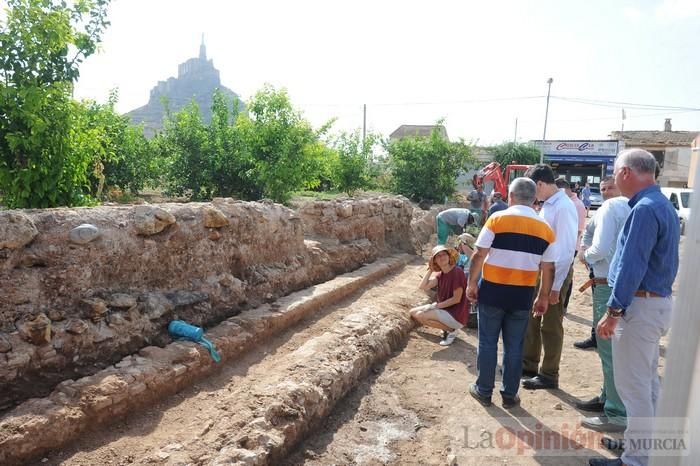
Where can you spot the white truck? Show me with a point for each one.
(680, 198)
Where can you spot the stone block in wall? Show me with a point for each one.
(149, 220)
(16, 229)
(383, 221)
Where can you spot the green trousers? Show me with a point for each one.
(547, 332)
(614, 408)
(444, 230)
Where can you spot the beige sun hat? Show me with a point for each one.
(467, 239)
(438, 249)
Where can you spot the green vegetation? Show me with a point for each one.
(43, 159)
(356, 162)
(509, 153)
(427, 168)
(269, 153)
(287, 153)
(123, 159)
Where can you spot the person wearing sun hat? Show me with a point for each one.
(465, 248)
(449, 311)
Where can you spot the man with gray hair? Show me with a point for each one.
(641, 275)
(513, 246)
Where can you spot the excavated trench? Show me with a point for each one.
(299, 304)
(253, 408)
(331, 374)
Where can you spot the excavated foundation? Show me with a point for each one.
(40, 425)
(87, 295)
(82, 288)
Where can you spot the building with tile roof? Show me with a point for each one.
(412, 131)
(672, 149)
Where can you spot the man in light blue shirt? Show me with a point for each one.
(598, 249)
(641, 276)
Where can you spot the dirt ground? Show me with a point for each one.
(195, 419)
(416, 409)
(412, 409)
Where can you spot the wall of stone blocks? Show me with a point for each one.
(82, 288)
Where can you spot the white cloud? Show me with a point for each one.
(632, 13)
(678, 9)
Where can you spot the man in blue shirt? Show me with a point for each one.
(497, 203)
(641, 275)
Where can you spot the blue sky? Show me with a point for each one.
(414, 62)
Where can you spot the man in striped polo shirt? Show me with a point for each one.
(513, 247)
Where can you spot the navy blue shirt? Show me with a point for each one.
(646, 257)
(497, 207)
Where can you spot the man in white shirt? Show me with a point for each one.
(547, 332)
(581, 211)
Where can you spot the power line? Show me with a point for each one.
(585, 101)
(629, 117)
(618, 104)
(444, 102)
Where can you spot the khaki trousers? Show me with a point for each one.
(547, 332)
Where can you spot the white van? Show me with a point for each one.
(680, 198)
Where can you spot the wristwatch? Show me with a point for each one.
(615, 313)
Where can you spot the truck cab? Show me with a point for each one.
(680, 198)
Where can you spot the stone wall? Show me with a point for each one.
(82, 288)
(381, 221)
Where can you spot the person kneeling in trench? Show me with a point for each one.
(449, 312)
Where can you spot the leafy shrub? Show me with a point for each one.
(426, 168)
(509, 152)
(43, 161)
(354, 161)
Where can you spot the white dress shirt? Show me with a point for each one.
(561, 215)
(606, 226)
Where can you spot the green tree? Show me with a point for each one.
(354, 161)
(42, 44)
(426, 168)
(184, 146)
(123, 157)
(231, 165)
(509, 152)
(287, 154)
(271, 152)
(202, 161)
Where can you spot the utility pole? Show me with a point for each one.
(515, 136)
(624, 117)
(546, 113)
